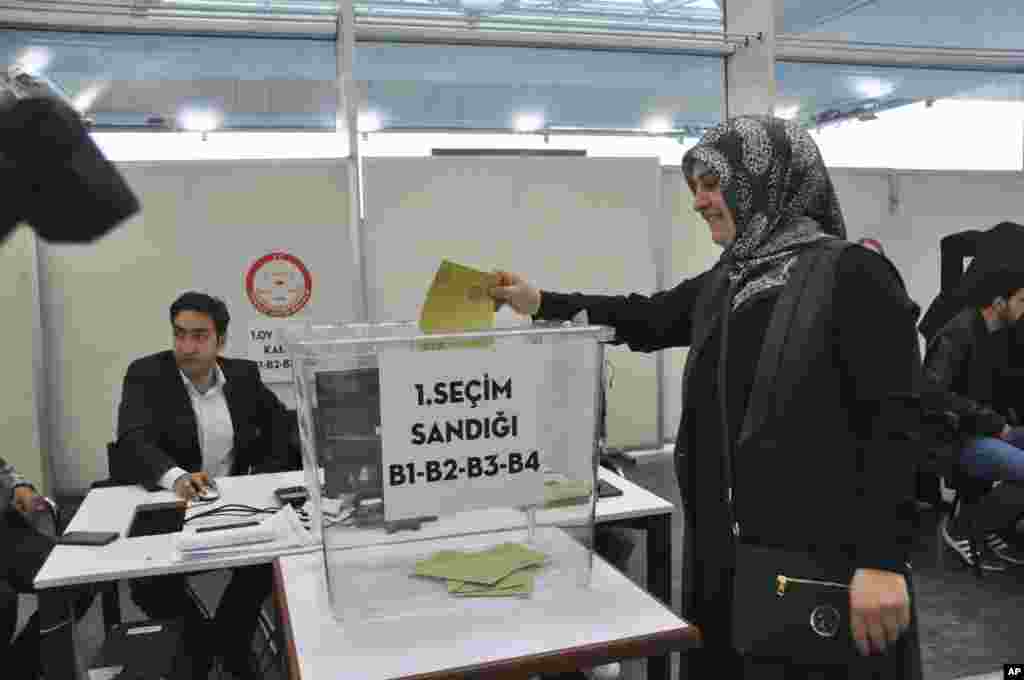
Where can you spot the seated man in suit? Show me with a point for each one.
(188, 416)
(23, 550)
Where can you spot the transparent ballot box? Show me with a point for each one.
(446, 470)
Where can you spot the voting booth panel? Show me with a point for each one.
(414, 442)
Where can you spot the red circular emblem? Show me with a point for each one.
(278, 284)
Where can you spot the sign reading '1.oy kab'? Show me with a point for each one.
(460, 429)
(268, 349)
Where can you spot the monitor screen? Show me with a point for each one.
(348, 430)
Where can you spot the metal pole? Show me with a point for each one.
(348, 122)
(750, 70)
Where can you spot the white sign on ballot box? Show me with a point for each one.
(459, 429)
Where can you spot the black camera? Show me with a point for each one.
(54, 177)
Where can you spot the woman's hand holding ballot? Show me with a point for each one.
(515, 291)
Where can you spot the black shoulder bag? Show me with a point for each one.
(788, 604)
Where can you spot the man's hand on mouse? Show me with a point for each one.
(192, 485)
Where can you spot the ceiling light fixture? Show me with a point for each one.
(199, 120)
(873, 88)
(369, 121)
(787, 112)
(529, 122)
(35, 59)
(657, 125)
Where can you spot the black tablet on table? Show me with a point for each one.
(151, 519)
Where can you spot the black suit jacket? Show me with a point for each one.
(157, 429)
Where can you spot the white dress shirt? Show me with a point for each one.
(216, 431)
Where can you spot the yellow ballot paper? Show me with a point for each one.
(458, 301)
(559, 493)
(517, 584)
(486, 568)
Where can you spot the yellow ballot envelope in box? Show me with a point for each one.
(458, 301)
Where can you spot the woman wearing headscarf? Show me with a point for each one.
(809, 429)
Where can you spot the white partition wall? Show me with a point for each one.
(909, 212)
(203, 224)
(22, 371)
(568, 224)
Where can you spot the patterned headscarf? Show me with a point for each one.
(781, 197)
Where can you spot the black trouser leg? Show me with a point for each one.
(238, 612)
(166, 597)
(998, 509)
(8, 616)
(23, 554)
(26, 646)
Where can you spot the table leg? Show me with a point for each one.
(659, 558)
(58, 646)
(111, 600)
(659, 580)
(289, 658)
(658, 530)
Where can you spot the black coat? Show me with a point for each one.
(832, 477)
(966, 360)
(157, 429)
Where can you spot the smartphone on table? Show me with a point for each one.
(87, 538)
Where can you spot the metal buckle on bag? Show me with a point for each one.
(825, 620)
(782, 583)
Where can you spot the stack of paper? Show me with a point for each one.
(458, 300)
(559, 493)
(502, 571)
(517, 584)
(282, 530)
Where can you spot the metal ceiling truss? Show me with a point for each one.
(688, 11)
(634, 24)
(803, 48)
(671, 25)
(683, 26)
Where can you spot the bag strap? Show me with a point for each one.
(723, 406)
(820, 258)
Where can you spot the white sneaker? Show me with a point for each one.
(609, 671)
(1008, 553)
(962, 546)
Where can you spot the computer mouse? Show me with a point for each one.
(208, 494)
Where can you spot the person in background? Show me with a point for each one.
(23, 550)
(761, 186)
(188, 416)
(969, 357)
